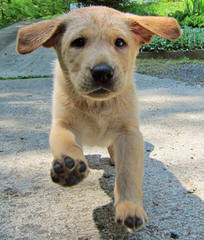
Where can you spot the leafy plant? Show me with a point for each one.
(192, 15)
(194, 7)
(192, 38)
(117, 4)
(194, 21)
(179, 15)
(14, 10)
(159, 8)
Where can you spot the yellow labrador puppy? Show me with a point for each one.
(94, 98)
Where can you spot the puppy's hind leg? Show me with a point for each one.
(69, 166)
(111, 153)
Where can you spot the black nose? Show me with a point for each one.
(102, 73)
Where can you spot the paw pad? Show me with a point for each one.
(82, 167)
(58, 168)
(68, 172)
(69, 162)
(130, 215)
(132, 222)
(129, 222)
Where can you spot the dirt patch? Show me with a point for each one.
(189, 71)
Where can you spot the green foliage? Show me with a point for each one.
(117, 4)
(187, 12)
(194, 7)
(192, 38)
(157, 8)
(192, 14)
(15, 10)
(194, 21)
(179, 15)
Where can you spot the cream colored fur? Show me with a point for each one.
(109, 121)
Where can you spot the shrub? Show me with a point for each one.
(187, 12)
(156, 8)
(194, 7)
(117, 4)
(15, 10)
(192, 38)
(194, 21)
(192, 15)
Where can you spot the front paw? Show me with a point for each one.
(131, 215)
(68, 172)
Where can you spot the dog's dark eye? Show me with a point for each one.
(78, 43)
(120, 43)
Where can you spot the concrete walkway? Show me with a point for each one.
(32, 207)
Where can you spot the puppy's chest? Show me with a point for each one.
(102, 122)
(97, 131)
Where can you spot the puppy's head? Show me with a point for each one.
(97, 46)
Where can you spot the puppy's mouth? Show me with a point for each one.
(100, 92)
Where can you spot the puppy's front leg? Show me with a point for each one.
(129, 161)
(69, 166)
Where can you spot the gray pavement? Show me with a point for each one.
(12, 64)
(32, 207)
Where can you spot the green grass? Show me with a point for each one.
(26, 77)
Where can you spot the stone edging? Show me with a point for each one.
(195, 54)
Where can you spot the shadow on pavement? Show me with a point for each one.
(170, 207)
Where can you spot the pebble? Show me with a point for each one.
(174, 235)
(106, 175)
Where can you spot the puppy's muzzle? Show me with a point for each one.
(102, 76)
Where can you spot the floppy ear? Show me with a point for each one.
(45, 33)
(145, 27)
